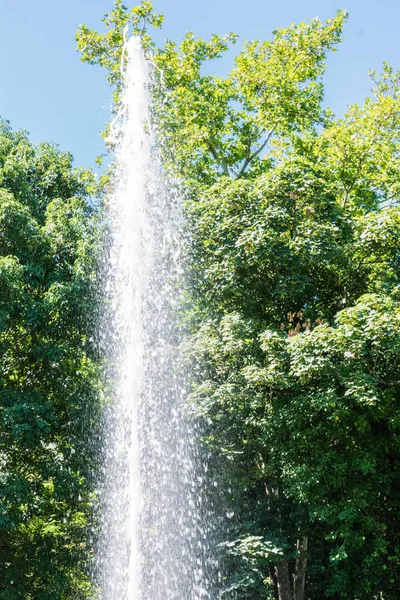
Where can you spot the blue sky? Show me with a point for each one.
(46, 90)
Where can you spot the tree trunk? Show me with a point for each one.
(282, 576)
(274, 581)
(301, 566)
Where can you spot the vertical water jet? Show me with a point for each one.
(153, 541)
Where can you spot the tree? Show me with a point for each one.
(48, 373)
(293, 275)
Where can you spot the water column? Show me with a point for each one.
(154, 541)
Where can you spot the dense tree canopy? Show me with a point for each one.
(48, 375)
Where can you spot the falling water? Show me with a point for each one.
(154, 539)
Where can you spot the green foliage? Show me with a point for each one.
(106, 49)
(302, 392)
(48, 372)
(214, 125)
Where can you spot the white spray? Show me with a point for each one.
(153, 543)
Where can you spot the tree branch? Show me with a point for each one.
(251, 157)
(220, 159)
(389, 383)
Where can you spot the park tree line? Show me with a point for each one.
(292, 319)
